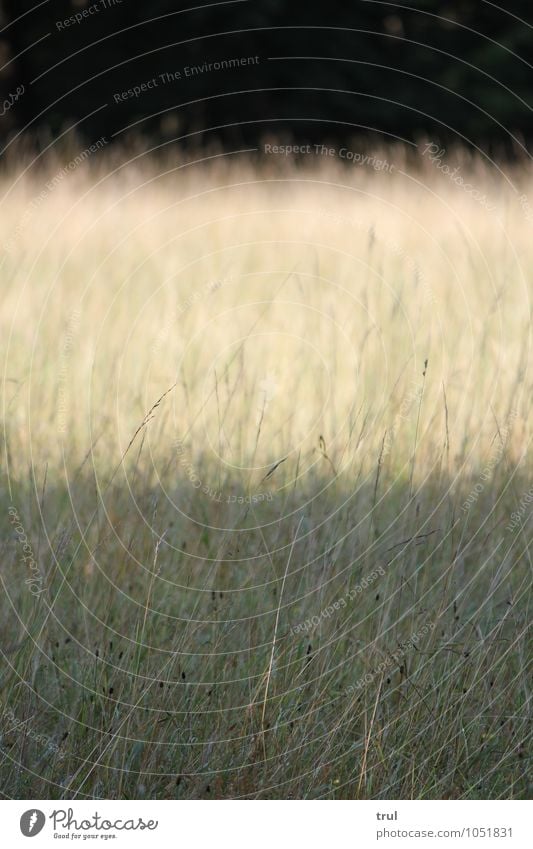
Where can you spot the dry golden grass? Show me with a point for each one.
(235, 394)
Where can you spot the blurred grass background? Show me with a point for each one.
(232, 390)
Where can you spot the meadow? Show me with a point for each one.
(266, 478)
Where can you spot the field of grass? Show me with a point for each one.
(266, 481)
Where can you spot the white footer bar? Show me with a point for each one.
(268, 824)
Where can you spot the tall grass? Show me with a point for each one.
(264, 428)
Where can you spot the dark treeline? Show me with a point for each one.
(241, 71)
